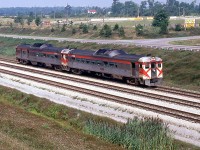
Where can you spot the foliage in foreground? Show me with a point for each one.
(136, 134)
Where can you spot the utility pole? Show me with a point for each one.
(104, 15)
(138, 12)
(67, 8)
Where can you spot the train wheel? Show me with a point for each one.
(58, 68)
(76, 71)
(25, 62)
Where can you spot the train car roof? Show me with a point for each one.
(43, 47)
(106, 53)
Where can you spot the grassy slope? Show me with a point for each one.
(22, 127)
(181, 69)
(194, 42)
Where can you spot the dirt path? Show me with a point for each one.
(162, 43)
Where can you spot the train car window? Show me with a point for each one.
(82, 60)
(105, 63)
(56, 56)
(99, 63)
(159, 65)
(133, 65)
(147, 66)
(112, 65)
(72, 59)
(140, 65)
(87, 61)
(93, 62)
(40, 54)
(52, 56)
(77, 60)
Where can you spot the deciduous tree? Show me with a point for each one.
(161, 19)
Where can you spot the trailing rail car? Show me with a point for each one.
(109, 63)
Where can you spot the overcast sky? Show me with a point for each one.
(52, 3)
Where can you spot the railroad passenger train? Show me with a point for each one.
(110, 63)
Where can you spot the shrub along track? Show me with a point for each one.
(130, 102)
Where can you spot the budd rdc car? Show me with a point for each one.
(109, 63)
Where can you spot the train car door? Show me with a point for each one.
(153, 70)
(135, 69)
(24, 54)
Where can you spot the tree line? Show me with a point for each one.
(118, 9)
(151, 7)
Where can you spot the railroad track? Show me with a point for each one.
(178, 91)
(130, 102)
(166, 89)
(117, 88)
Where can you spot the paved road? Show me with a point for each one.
(162, 43)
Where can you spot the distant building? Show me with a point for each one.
(92, 11)
(46, 23)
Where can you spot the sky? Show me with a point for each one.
(52, 3)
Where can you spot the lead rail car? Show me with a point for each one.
(117, 64)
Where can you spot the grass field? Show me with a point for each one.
(194, 42)
(8, 27)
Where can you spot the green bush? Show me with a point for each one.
(95, 27)
(121, 31)
(85, 28)
(178, 27)
(81, 26)
(63, 28)
(106, 31)
(116, 27)
(73, 31)
(139, 29)
(135, 134)
(151, 32)
(52, 29)
(163, 28)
